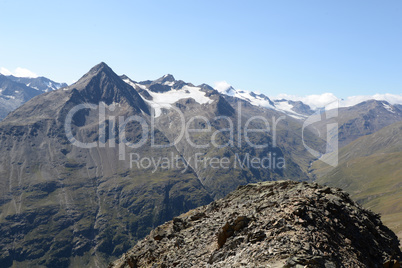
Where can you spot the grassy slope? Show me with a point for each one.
(370, 169)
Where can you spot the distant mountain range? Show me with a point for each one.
(77, 190)
(15, 91)
(291, 105)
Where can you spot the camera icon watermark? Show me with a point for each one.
(327, 114)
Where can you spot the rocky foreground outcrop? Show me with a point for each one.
(271, 224)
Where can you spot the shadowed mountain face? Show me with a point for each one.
(89, 169)
(60, 201)
(270, 224)
(77, 192)
(226, 120)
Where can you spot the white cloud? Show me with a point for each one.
(18, 72)
(22, 72)
(4, 71)
(391, 98)
(222, 86)
(314, 101)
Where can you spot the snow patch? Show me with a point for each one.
(389, 108)
(225, 88)
(319, 101)
(170, 84)
(142, 86)
(286, 107)
(166, 99)
(254, 100)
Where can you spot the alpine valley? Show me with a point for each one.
(88, 170)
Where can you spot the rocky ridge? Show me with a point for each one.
(15, 91)
(271, 224)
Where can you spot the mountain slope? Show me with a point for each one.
(353, 122)
(62, 205)
(362, 119)
(270, 224)
(369, 169)
(294, 109)
(222, 126)
(78, 192)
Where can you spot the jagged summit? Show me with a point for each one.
(101, 83)
(271, 224)
(165, 78)
(206, 87)
(99, 69)
(102, 65)
(163, 84)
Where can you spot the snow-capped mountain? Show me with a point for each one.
(73, 193)
(295, 109)
(41, 83)
(301, 107)
(357, 116)
(165, 91)
(15, 91)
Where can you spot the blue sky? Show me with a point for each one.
(294, 47)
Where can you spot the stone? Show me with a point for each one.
(271, 224)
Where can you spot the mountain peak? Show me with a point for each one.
(93, 72)
(101, 67)
(162, 84)
(165, 78)
(101, 83)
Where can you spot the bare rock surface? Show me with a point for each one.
(271, 224)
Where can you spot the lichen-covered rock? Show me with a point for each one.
(271, 224)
